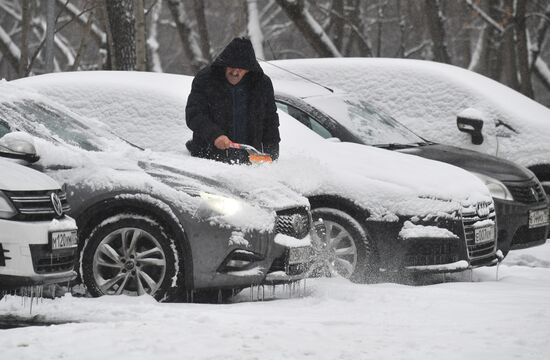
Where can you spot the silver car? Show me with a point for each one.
(172, 227)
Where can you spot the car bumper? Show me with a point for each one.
(26, 258)
(434, 254)
(513, 225)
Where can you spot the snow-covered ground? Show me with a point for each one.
(456, 319)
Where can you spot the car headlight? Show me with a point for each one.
(6, 208)
(218, 205)
(496, 188)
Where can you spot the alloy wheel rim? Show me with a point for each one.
(129, 261)
(339, 252)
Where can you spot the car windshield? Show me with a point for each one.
(371, 125)
(47, 122)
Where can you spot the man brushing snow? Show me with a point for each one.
(232, 100)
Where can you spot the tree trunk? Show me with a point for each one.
(309, 27)
(254, 29)
(402, 34)
(24, 44)
(190, 46)
(526, 86)
(338, 21)
(437, 31)
(508, 59)
(9, 50)
(50, 35)
(492, 59)
(83, 42)
(141, 52)
(542, 29)
(203, 29)
(122, 25)
(155, 63)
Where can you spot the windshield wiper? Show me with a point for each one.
(394, 146)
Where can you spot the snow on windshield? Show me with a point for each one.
(369, 124)
(427, 97)
(386, 182)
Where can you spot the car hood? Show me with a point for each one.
(221, 179)
(16, 177)
(500, 169)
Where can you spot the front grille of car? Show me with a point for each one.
(293, 222)
(527, 192)
(470, 217)
(45, 261)
(432, 252)
(36, 205)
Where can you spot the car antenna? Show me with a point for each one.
(298, 75)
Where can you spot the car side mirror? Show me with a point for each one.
(15, 146)
(470, 121)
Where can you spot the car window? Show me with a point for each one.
(48, 123)
(305, 119)
(372, 125)
(4, 128)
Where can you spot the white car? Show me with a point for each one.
(37, 240)
(383, 210)
(442, 103)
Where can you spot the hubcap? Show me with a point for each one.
(129, 261)
(338, 253)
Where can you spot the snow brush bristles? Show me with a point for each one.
(254, 156)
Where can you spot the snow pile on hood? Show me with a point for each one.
(385, 182)
(427, 97)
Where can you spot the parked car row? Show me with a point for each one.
(161, 222)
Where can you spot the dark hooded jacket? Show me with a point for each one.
(209, 110)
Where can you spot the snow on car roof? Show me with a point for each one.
(152, 116)
(427, 96)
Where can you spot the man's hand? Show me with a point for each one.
(222, 142)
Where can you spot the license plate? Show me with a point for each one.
(538, 218)
(63, 240)
(299, 255)
(484, 234)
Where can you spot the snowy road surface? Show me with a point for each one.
(459, 319)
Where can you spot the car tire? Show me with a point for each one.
(130, 254)
(348, 249)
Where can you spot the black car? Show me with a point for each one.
(521, 203)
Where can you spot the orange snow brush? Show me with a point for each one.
(254, 156)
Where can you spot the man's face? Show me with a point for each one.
(234, 75)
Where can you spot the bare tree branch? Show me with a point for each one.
(485, 16)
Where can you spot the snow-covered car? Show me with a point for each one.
(440, 102)
(521, 205)
(382, 209)
(37, 239)
(190, 229)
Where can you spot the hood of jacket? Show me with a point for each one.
(239, 53)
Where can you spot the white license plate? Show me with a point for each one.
(484, 234)
(299, 255)
(63, 240)
(538, 218)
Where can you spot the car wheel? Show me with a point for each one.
(129, 254)
(346, 249)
